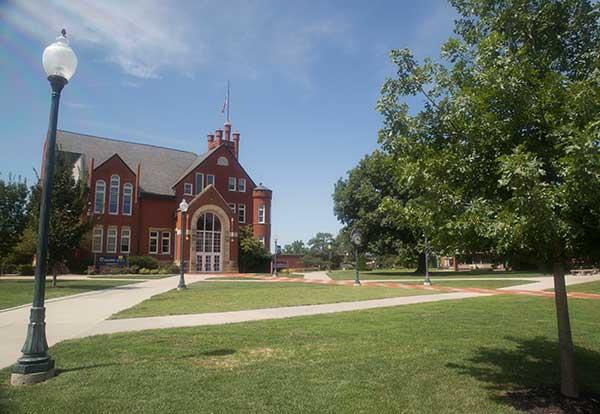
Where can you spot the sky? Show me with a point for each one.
(305, 78)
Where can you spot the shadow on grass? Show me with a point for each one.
(60, 371)
(527, 377)
(218, 352)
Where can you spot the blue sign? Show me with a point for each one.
(112, 260)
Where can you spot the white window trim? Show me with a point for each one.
(232, 206)
(162, 241)
(240, 186)
(188, 189)
(242, 209)
(125, 230)
(199, 190)
(262, 209)
(150, 238)
(98, 182)
(101, 228)
(116, 213)
(209, 176)
(232, 180)
(126, 186)
(116, 238)
(262, 240)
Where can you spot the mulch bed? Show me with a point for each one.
(549, 400)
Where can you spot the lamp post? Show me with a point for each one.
(183, 207)
(35, 365)
(329, 250)
(356, 239)
(427, 281)
(275, 260)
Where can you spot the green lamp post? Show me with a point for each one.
(356, 239)
(35, 365)
(183, 207)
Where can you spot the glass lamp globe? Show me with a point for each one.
(183, 206)
(59, 59)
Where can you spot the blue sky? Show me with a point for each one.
(305, 78)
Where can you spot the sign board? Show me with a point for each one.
(112, 260)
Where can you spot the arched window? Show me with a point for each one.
(113, 198)
(127, 199)
(99, 200)
(208, 243)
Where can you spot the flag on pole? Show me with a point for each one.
(226, 103)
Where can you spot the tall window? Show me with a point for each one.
(125, 239)
(127, 199)
(97, 239)
(166, 242)
(210, 179)
(111, 240)
(242, 213)
(199, 183)
(261, 214)
(188, 189)
(113, 199)
(242, 185)
(261, 239)
(232, 183)
(153, 245)
(100, 193)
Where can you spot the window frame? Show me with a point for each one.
(162, 242)
(98, 182)
(240, 186)
(242, 210)
(125, 230)
(150, 238)
(116, 194)
(232, 180)
(127, 186)
(232, 206)
(94, 235)
(263, 240)
(262, 209)
(108, 238)
(201, 175)
(210, 177)
(188, 189)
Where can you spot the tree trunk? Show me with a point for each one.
(421, 265)
(568, 383)
(54, 277)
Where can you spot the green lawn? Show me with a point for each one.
(20, 292)
(408, 274)
(446, 357)
(590, 287)
(483, 284)
(204, 297)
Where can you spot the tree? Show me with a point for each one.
(295, 247)
(13, 217)
(507, 144)
(253, 256)
(68, 224)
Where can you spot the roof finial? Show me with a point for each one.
(63, 32)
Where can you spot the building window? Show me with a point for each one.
(97, 239)
(223, 161)
(125, 239)
(111, 240)
(127, 199)
(210, 179)
(242, 213)
(113, 198)
(199, 183)
(232, 183)
(261, 214)
(166, 242)
(242, 185)
(188, 189)
(153, 246)
(100, 193)
(261, 239)
(232, 207)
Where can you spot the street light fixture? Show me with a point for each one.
(183, 207)
(427, 281)
(35, 365)
(356, 239)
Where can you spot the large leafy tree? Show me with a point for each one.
(13, 215)
(507, 144)
(68, 223)
(295, 247)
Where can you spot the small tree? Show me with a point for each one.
(13, 216)
(253, 256)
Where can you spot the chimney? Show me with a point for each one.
(211, 141)
(227, 131)
(236, 143)
(219, 136)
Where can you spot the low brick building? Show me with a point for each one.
(136, 189)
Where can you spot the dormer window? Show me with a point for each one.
(222, 161)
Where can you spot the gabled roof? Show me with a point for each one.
(199, 160)
(160, 167)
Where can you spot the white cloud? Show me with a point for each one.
(147, 39)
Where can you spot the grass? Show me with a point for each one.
(483, 284)
(205, 297)
(409, 274)
(20, 292)
(446, 357)
(590, 287)
(132, 276)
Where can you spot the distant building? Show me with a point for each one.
(290, 261)
(135, 191)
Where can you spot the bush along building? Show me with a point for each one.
(136, 189)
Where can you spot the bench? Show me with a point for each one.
(584, 272)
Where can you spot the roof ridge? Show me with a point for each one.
(128, 142)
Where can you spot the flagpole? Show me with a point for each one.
(228, 101)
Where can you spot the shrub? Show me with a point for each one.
(169, 269)
(140, 262)
(26, 270)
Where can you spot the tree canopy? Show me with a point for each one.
(13, 214)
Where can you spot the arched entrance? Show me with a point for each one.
(208, 243)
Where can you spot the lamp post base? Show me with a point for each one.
(181, 287)
(427, 283)
(30, 379)
(357, 284)
(27, 373)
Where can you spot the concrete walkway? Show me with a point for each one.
(316, 276)
(75, 316)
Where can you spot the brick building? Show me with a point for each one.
(135, 191)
